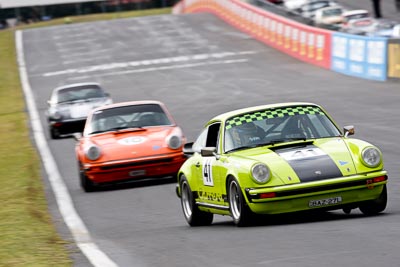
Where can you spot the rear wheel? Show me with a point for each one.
(193, 215)
(86, 184)
(375, 206)
(240, 212)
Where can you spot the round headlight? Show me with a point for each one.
(93, 152)
(371, 157)
(174, 142)
(56, 115)
(260, 173)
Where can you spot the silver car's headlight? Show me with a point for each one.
(56, 115)
(108, 101)
(260, 173)
(92, 152)
(371, 157)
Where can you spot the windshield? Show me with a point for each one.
(79, 93)
(277, 125)
(134, 116)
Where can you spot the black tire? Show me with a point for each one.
(193, 215)
(86, 184)
(54, 133)
(375, 206)
(240, 212)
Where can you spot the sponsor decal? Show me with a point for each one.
(135, 140)
(207, 172)
(310, 163)
(305, 153)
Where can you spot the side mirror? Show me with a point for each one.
(208, 151)
(77, 136)
(188, 149)
(348, 130)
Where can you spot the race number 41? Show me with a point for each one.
(207, 172)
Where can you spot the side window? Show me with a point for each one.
(200, 141)
(207, 138)
(213, 133)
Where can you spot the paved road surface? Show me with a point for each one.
(208, 67)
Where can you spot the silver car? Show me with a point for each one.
(69, 106)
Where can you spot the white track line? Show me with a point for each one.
(73, 221)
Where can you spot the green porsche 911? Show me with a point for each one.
(276, 159)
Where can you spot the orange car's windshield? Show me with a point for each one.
(134, 116)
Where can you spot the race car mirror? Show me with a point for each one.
(208, 151)
(188, 148)
(348, 130)
(77, 136)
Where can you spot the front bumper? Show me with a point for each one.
(135, 169)
(68, 126)
(354, 189)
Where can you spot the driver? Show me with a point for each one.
(248, 134)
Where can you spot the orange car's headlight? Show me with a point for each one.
(92, 152)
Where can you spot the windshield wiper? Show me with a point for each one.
(126, 129)
(71, 100)
(96, 132)
(240, 148)
(121, 129)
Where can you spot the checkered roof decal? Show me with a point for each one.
(272, 113)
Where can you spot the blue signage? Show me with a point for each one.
(359, 56)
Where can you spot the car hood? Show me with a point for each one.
(305, 162)
(134, 143)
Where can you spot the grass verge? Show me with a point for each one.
(28, 236)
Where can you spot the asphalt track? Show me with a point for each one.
(199, 67)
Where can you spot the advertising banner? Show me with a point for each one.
(312, 45)
(394, 58)
(25, 3)
(359, 56)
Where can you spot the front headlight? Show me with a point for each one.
(93, 152)
(56, 115)
(174, 141)
(260, 173)
(371, 157)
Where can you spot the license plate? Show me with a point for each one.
(137, 173)
(324, 202)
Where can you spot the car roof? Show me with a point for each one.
(355, 12)
(227, 115)
(76, 85)
(131, 103)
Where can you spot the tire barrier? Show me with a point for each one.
(353, 55)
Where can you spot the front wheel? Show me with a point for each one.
(54, 134)
(240, 212)
(86, 184)
(193, 215)
(375, 206)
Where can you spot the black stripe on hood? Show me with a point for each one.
(310, 163)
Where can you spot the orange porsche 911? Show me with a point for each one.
(129, 141)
